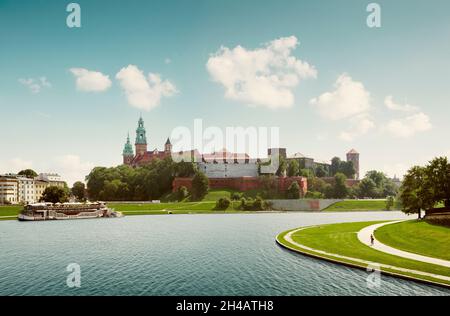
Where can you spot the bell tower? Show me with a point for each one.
(141, 139)
(127, 153)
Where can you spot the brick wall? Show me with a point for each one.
(243, 184)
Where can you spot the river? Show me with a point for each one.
(228, 254)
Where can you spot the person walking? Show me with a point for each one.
(372, 239)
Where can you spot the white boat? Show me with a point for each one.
(59, 211)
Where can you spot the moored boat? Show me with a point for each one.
(58, 211)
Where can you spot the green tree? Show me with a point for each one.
(335, 166)
(282, 167)
(78, 190)
(223, 203)
(438, 177)
(321, 172)
(293, 192)
(200, 186)
(415, 194)
(182, 193)
(367, 188)
(29, 173)
(347, 168)
(340, 189)
(389, 203)
(293, 168)
(54, 194)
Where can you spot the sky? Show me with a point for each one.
(314, 69)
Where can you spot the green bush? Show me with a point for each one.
(223, 203)
(182, 193)
(235, 196)
(314, 195)
(293, 192)
(249, 204)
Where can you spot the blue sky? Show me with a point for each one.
(67, 129)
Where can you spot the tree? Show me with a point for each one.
(282, 167)
(29, 173)
(293, 192)
(306, 172)
(340, 190)
(321, 172)
(185, 169)
(78, 190)
(293, 168)
(438, 176)
(389, 203)
(347, 168)
(367, 188)
(223, 203)
(200, 186)
(335, 165)
(54, 194)
(415, 194)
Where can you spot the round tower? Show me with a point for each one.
(127, 153)
(353, 156)
(141, 139)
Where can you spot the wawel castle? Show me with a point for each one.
(15, 189)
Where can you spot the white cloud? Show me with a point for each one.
(144, 93)
(71, 168)
(391, 105)
(15, 165)
(359, 125)
(261, 77)
(35, 84)
(349, 98)
(409, 126)
(90, 81)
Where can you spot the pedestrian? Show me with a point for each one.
(372, 239)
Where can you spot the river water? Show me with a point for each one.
(181, 255)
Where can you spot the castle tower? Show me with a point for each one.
(353, 156)
(141, 139)
(168, 147)
(127, 153)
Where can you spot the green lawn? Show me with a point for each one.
(357, 205)
(417, 237)
(10, 210)
(341, 239)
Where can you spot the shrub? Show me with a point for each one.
(223, 203)
(314, 195)
(389, 203)
(250, 204)
(235, 196)
(182, 193)
(293, 192)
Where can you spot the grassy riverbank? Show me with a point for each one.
(417, 237)
(357, 206)
(339, 243)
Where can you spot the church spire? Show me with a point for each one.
(127, 151)
(141, 138)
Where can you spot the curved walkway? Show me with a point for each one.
(288, 238)
(364, 237)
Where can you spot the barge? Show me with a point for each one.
(59, 211)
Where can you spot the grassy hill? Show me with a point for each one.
(357, 205)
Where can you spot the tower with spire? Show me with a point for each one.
(141, 139)
(168, 147)
(127, 153)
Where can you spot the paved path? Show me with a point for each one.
(364, 237)
(369, 264)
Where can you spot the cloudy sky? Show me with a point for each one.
(69, 96)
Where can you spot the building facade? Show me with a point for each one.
(15, 189)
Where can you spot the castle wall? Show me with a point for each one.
(243, 184)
